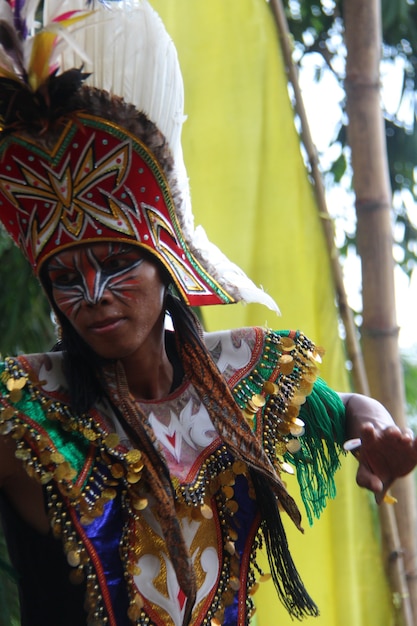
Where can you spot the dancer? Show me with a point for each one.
(141, 460)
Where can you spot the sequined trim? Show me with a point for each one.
(98, 469)
(271, 395)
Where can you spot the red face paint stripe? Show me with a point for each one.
(82, 276)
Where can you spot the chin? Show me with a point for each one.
(111, 352)
(113, 355)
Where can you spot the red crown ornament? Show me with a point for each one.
(98, 182)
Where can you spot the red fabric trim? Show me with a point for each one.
(96, 563)
(244, 569)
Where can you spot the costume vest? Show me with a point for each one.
(102, 512)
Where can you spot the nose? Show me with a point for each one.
(95, 286)
(97, 298)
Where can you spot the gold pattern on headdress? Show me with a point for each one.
(67, 191)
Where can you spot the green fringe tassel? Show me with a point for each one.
(321, 446)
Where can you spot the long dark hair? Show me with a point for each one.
(83, 371)
(83, 366)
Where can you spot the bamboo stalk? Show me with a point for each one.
(395, 566)
(353, 350)
(393, 554)
(366, 134)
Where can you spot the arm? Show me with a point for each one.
(386, 452)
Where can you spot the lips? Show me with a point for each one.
(107, 324)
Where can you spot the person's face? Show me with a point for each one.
(112, 295)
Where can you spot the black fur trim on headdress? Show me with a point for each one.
(36, 112)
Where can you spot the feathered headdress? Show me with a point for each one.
(70, 176)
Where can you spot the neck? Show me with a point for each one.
(149, 375)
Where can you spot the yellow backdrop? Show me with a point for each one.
(250, 191)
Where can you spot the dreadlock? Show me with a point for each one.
(227, 418)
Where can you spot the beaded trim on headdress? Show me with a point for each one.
(98, 183)
(134, 58)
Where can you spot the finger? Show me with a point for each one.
(368, 433)
(390, 436)
(367, 479)
(382, 496)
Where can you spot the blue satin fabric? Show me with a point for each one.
(105, 534)
(242, 524)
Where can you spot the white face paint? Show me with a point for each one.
(84, 274)
(110, 293)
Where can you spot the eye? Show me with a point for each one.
(119, 262)
(63, 278)
(115, 263)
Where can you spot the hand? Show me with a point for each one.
(384, 455)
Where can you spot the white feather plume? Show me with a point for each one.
(11, 48)
(132, 56)
(29, 12)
